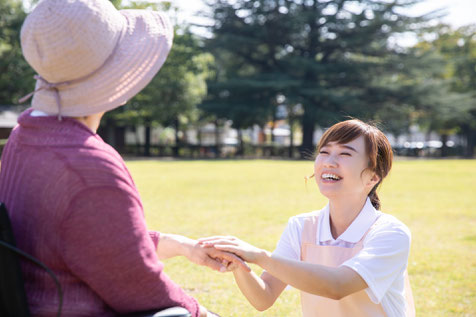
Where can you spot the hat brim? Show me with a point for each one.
(141, 51)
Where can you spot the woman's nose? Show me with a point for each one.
(330, 161)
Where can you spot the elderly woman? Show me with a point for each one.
(71, 199)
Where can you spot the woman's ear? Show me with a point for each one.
(374, 180)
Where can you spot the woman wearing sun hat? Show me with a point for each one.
(71, 199)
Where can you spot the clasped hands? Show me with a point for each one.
(231, 252)
(218, 253)
(205, 253)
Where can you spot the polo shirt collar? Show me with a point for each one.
(357, 228)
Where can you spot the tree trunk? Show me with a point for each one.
(120, 138)
(470, 135)
(241, 147)
(177, 140)
(291, 138)
(106, 131)
(147, 139)
(273, 124)
(471, 143)
(217, 140)
(309, 117)
(444, 148)
(308, 126)
(137, 139)
(199, 135)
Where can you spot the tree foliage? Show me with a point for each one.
(452, 107)
(170, 99)
(16, 76)
(176, 90)
(330, 59)
(329, 56)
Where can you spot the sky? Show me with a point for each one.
(460, 12)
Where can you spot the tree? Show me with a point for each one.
(170, 99)
(244, 105)
(246, 85)
(327, 56)
(16, 76)
(452, 107)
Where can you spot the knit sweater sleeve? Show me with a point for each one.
(155, 236)
(106, 244)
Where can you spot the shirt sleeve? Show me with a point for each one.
(106, 244)
(384, 257)
(155, 236)
(289, 245)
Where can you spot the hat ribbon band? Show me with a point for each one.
(48, 86)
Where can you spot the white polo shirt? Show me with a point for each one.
(382, 260)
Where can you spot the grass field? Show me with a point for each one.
(254, 199)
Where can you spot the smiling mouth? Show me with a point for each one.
(330, 177)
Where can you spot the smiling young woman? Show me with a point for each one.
(349, 258)
(358, 146)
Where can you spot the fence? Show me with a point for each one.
(192, 151)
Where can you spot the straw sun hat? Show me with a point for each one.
(90, 57)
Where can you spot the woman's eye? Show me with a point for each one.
(345, 153)
(323, 152)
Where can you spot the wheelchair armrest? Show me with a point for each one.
(169, 312)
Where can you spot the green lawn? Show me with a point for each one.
(254, 199)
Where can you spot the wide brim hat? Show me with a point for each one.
(90, 57)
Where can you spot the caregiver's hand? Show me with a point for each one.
(234, 245)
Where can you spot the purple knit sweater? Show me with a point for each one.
(74, 206)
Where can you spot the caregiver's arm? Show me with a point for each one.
(334, 283)
(331, 282)
(383, 258)
(262, 291)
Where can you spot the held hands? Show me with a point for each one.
(244, 250)
(214, 258)
(171, 245)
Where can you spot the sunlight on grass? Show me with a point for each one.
(254, 199)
